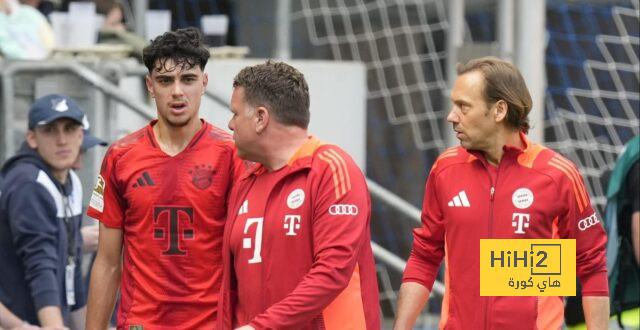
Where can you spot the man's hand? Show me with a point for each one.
(596, 312)
(89, 238)
(411, 301)
(51, 318)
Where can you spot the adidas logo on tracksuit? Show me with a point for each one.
(460, 200)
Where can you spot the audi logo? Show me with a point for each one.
(343, 209)
(586, 223)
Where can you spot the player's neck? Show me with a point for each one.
(286, 141)
(173, 139)
(504, 137)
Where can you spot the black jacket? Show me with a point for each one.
(34, 231)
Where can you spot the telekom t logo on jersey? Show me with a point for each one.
(520, 221)
(173, 214)
(291, 223)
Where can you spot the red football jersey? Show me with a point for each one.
(172, 211)
(296, 250)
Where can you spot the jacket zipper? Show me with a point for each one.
(492, 193)
(263, 274)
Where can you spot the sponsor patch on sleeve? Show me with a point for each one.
(97, 196)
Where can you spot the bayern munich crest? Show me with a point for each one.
(295, 199)
(202, 176)
(522, 198)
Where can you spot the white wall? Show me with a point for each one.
(338, 100)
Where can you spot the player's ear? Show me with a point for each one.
(149, 83)
(500, 109)
(205, 82)
(261, 117)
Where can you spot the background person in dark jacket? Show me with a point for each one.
(40, 218)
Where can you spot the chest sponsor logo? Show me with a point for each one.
(295, 199)
(174, 231)
(521, 222)
(256, 242)
(459, 200)
(202, 176)
(522, 198)
(291, 224)
(588, 222)
(343, 209)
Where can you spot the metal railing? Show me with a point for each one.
(81, 71)
(112, 91)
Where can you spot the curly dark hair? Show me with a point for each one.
(279, 87)
(184, 46)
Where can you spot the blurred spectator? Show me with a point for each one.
(44, 6)
(622, 220)
(24, 32)
(40, 218)
(113, 29)
(188, 13)
(622, 223)
(89, 232)
(113, 15)
(111, 10)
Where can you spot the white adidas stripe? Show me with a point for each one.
(244, 208)
(460, 200)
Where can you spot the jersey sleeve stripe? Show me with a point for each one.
(333, 170)
(446, 154)
(344, 167)
(573, 183)
(577, 176)
(340, 173)
(451, 149)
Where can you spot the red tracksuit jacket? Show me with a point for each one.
(296, 248)
(536, 193)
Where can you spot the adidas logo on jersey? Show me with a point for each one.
(460, 200)
(144, 180)
(244, 208)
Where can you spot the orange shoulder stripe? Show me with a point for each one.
(446, 154)
(332, 152)
(333, 170)
(577, 176)
(340, 172)
(573, 183)
(574, 180)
